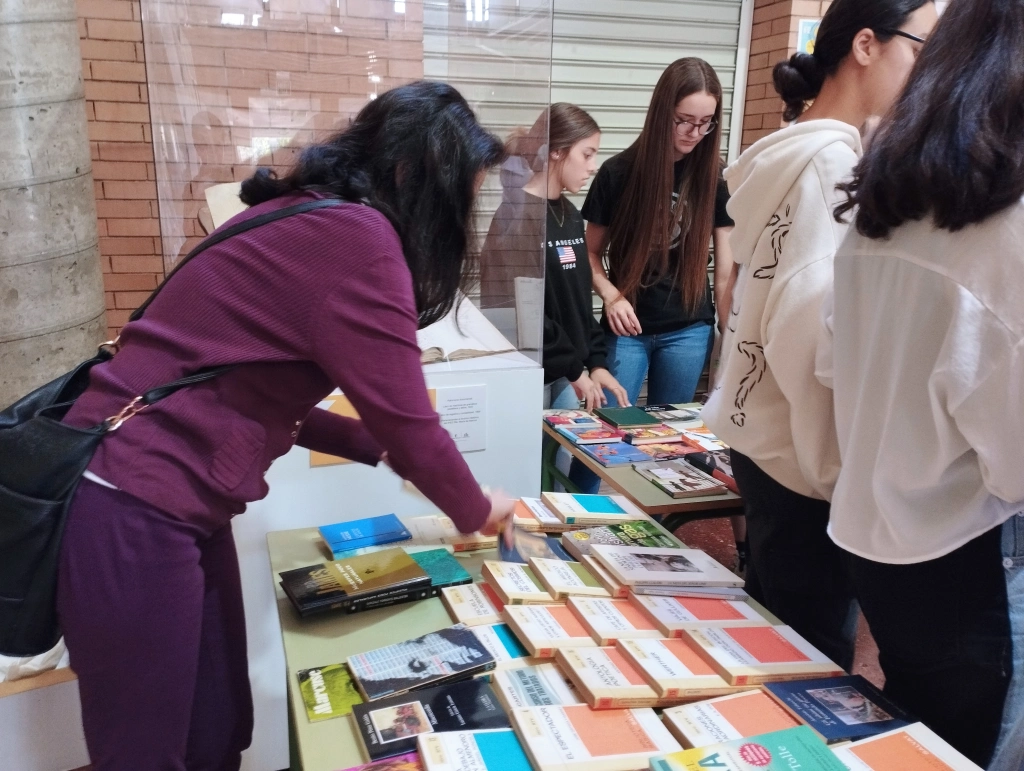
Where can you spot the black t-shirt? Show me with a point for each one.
(659, 305)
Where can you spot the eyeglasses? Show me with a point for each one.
(901, 33)
(687, 126)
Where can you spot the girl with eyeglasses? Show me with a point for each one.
(654, 208)
(767, 404)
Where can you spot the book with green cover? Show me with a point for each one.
(443, 569)
(637, 533)
(626, 417)
(783, 750)
(328, 692)
(347, 582)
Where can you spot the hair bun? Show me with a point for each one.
(798, 80)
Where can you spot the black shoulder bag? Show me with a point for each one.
(41, 462)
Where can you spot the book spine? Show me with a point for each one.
(385, 601)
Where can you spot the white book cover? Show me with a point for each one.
(714, 592)
(736, 716)
(581, 509)
(674, 614)
(502, 643)
(472, 751)
(514, 583)
(760, 654)
(615, 588)
(439, 529)
(544, 518)
(606, 679)
(468, 604)
(578, 737)
(542, 629)
(641, 565)
(912, 748)
(674, 669)
(542, 685)
(564, 579)
(609, 620)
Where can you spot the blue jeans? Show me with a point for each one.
(1009, 753)
(563, 397)
(672, 363)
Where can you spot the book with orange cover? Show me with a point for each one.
(543, 629)
(578, 737)
(760, 654)
(533, 516)
(911, 748)
(514, 583)
(736, 716)
(609, 620)
(606, 679)
(674, 614)
(472, 604)
(675, 670)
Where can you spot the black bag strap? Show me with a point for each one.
(162, 392)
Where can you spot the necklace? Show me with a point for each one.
(561, 201)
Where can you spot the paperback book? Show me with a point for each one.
(638, 533)
(351, 583)
(534, 686)
(586, 436)
(614, 454)
(716, 463)
(433, 659)
(591, 510)
(472, 605)
(760, 654)
(444, 570)
(701, 437)
(372, 531)
(626, 417)
(736, 716)
(388, 727)
(660, 434)
(515, 584)
(408, 762)
(608, 620)
(679, 479)
(615, 588)
(676, 451)
(503, 645)
(531, 515)
(578, 737)
(494, 750)
(564, 579)
(839, 709)
(674, 670)
(543, 629)
(713, 592)
(526, 546)
(792, 748)
(439, 529)
(605, 678)
(328, 692)
(639, 566)
(911, 748)
(672, 615)
(576, 418)
(669, 413)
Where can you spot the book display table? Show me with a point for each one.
(332, 745)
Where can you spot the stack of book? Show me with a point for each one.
(638, 533)
(575, 418)
(515, 584)
(673, 572)
(544, 629)
(723, 719)
(673, 615)
(592, 510)
(567, 579)
(674, 669)
(679, 479)
(344, 537)
(533, 516)
(605, 678)
(659, 434)
(473, 605)
(608, 620)
(615, 454)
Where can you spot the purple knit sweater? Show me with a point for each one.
(315, 301)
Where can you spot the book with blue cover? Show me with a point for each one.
(493, 750)
(528, 545)
(839, 709)
(615, 454)
(372, 531)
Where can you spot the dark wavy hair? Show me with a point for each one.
(798, 79)
(953, 145)
(414, 154)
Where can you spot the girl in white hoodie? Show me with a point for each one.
(767, 404)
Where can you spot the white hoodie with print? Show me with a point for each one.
(767, 402)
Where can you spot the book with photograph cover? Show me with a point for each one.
(661, 434)
(661, 452)
(609, 620)
(526, 546)
(637, 533)
(911, 748)
(716, 463)
(586, 436)
(674, 670)
(736, 716)
(443, 569)
(626, 417)
(590, 510)
(839, 709)
(614, 454)
(534, 686)
(760, 654)
(577, 418)
(388, 727)
(515, 583)
(640, 566)
(543, 629)
(605, 678)
(328, 692)
(674, 614)
(670, 413)
(484, 750)
(578, 737)
(564, 579)
(786, 750)
(432, 659)
(679, 479)
(472, 605)
(503, 644)
(410, 761)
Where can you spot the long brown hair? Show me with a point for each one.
(641, 231)
(559, 127)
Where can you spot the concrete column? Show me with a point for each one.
(51, 286)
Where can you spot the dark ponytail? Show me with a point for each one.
(799, 79)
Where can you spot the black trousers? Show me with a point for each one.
(794, 569)
(944, 639)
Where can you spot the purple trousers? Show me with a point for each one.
(151, 609)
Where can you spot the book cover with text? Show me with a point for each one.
(674, 614)
(472, 604)
(786, 750)
(543, 629)
(674, 669)
(606, 678)
(567, 579)
(328, 692)
(609, 620)
(515, 583)
(637, 566)
(494, 750)
(534, 686)
(912, 748)
(736, 716)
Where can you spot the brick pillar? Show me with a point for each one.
(773, 38)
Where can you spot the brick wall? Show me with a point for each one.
(229, 90)
(773, 39)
